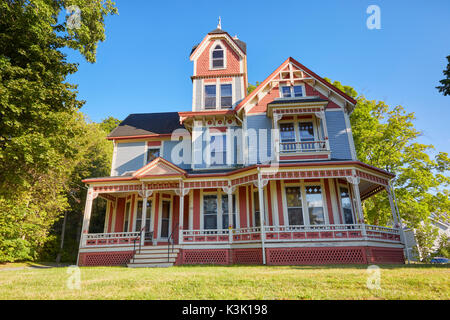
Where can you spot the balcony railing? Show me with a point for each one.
(303, 146)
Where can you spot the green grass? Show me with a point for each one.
(228, 282)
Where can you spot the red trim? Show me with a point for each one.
(302, 157)
(242, 207)
(111, 212)
(280, 204)
(250, 204)
(175, 217)
(154, 143)
(130, 223)
(196, 208)
(220, 129)
(164, 135)
(338, 200)
(186, 212)
(155, 224)
(120, 215)
(328, 197)
(269, 204)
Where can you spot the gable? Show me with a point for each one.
(159, 168)
(232, 59)
(292, 72)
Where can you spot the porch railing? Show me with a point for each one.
(303, 146)
(114, 238)
(344, 232)
(335, 232)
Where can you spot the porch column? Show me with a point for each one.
(87, 211)
(144, 194)
(261, 184)
(86, 218)
(230, 214)
(397, 218)
(354, 181)
(181, 193)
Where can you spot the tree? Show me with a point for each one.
(386, 138)
(40, 122)
(426, 235)
(445, 88)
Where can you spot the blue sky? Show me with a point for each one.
(143, 66)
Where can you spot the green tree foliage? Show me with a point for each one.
(386, 138)
(42, 133)
(252, 87)
(426, 235)
(445, 83)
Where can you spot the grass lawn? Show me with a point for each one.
(228, 282)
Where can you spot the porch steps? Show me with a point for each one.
(154, 256)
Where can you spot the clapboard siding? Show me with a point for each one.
(338, 135)
(259, 138)
(129, 157)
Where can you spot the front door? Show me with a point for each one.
(165, 219)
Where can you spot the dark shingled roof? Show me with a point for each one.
(241, 44)
(139, 124)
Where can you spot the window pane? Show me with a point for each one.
(217, 63)
(346, 206)
(152, 154)
(286, 92)
(210, 211)
(226, 95)
(287, 134)
(147, 216)
(294, 204)
(315, 205)
(306, 134)
(293, 197)
(218, 149)
(295, 216)
(210, 97)
(217, 54)
(298, 91)
(127, 217)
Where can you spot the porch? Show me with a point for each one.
(250, 218)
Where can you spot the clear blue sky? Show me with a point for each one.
(143, 66)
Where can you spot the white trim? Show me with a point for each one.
(211, 50)
(170, 200)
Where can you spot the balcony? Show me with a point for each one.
(304, 146)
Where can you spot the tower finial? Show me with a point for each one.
(219, 25)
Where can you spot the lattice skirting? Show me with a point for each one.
(105, 258)
(385, 255)
(314, 256)
(247, 256)
(205, 256)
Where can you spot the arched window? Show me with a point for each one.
(218, 57)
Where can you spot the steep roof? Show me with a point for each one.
(241, 44)
(141, 124)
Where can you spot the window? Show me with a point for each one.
(218, 58)
(222, 99)
(226, 99)
(287, 136)
(315, 205)
(346, 205)
(210, 211)
(218, 149)
(147, 216)
(165, 219)
(152, 154)
(292, 91)
(294, 205)
(127, 217)
(210, 97)
(225, 224)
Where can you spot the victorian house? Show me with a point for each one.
(267, 177)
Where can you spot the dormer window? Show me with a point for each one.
(218, 58)
(292, 91)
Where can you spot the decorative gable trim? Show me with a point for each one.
(212, 37)
(306, 75)
(159, 167)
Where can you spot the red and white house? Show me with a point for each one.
(269, 177)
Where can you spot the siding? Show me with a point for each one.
(167, 154)
(259, 141)
(338, 136)
(129, 157)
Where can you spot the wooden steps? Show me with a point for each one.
(154, 256)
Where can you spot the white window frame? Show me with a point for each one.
(218, 85)
(218, 193)
(151, 147)
(149, 199)
(302, 184)
(211, 50)
(292, 90)
(161, 199)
